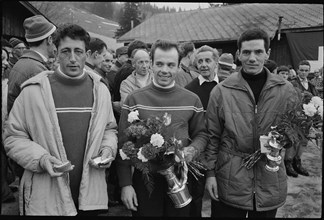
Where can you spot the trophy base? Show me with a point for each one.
(272, 169)
(180, 197)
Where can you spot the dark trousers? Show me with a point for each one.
(196, 189)
(158, 204)
(113, 188)
(296, 150)
(220, 209)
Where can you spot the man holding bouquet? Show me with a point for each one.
(241, 109)
(187, 117)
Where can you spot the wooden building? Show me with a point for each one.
(220, 28)
(13, 15)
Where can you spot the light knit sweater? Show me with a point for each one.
(132, 83)
(187, 119)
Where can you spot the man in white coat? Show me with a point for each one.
(63, 118)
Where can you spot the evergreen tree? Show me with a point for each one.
(130, 15)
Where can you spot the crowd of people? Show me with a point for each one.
(66, 97)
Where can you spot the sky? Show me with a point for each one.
(184, 5)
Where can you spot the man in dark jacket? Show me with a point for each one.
(186, 73)
(293, 154)
(241, 109)
(38, 34)
(207, 59)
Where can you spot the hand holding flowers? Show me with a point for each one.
(151, 148)
(297, 124)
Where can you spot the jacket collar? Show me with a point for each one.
(236, 80)
(41, 76)
(31, 54)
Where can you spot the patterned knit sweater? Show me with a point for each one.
(73, 100)
(187, 119)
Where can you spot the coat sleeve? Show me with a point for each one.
(16, 138)
(110, 134)
(197, 129)
(125, 90)
(214, 129)
(123, 166)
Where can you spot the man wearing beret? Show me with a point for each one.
(38, 34)
(18, 48)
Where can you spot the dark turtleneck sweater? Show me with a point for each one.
(73, 99)
(256, 82)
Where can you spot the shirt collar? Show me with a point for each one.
(41, 55)
(303, 80)
(202, 79)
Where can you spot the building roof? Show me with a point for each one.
(225, 23)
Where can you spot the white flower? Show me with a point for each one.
(123, 155)
(320, 111)
(140, 156)
(133, 116)
(157, 140)
(309, 109)
(317, 101)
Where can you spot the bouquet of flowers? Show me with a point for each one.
(300, 123)
(152, 149)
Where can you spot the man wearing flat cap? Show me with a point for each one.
(18, 47)
(38, 34)
(225, 66)
(122, 57)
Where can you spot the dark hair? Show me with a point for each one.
(72, 31)
(5, 43)
(96, 44)
(254, 34)
(136, 44)
(282, 68)
(186, 48)
(304, 62)
(164, 45)
(270, 65)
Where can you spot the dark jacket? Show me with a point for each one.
(116, 66)
(235, 124)
(185, 76)
(28, 65)
(311, 88)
